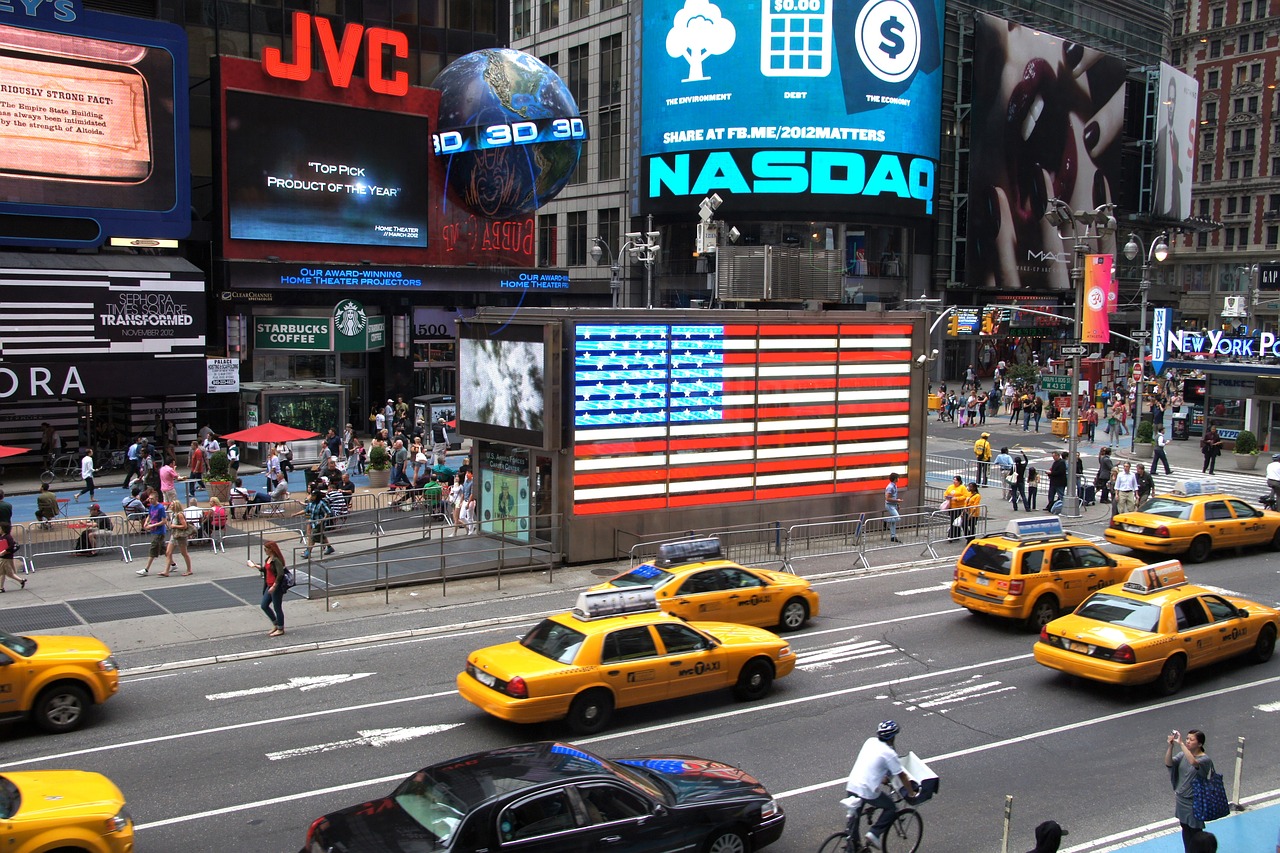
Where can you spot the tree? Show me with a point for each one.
(699, 31)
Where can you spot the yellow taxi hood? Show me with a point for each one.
(782, 578)
(1095, 633)
(511, 659)
(732, 634)
(53, 648)
(51, 794)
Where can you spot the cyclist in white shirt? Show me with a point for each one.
(876, 763)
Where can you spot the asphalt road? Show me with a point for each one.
(243, 756)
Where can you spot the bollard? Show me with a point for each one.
(1008, 819)
(1235, 787)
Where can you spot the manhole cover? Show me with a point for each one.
(604, 573)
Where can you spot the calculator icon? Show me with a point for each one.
(795, 38)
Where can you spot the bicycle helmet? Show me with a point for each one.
(887, 730)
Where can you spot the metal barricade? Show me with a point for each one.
(831, 538)
(948, 531)
(886, 532)
(79, 537)
(755, 545)
(941, 471)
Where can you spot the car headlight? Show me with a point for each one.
(120, 820)
(770, 809)
(108, 664)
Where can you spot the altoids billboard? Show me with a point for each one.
(834, 101)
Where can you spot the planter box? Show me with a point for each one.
(220, 490)
(1144, 451)
(1246, 461)
(379, 479)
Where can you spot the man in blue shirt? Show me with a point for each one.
(891, 504)
(157, 528)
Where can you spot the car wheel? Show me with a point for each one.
(1266, 645)
(590, 712)
(1199, 550)
(1170, 680)
(794, 614)
(61, 708)
(1044, 611)
(754, 681)
(725, 841)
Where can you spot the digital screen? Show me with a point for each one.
(838, 101)
(1047, 120)
(93, 129)
(670, 416)
(502, 383)
(311, 172)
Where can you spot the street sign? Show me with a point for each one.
(1137, 370)
(1056, 383)
(1141, 335)
(1075, 349)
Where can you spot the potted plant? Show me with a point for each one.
(217, 477)
(1144, 440)
(1246, 450)
(379, 467)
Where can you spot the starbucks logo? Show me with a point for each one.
(349, 318)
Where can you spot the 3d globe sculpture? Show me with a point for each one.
(509, 131)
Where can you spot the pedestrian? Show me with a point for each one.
(273, 585)
(1126, 491)
(196, 466)
(1033, 487)
(46, 505)
(317, 511)
(179, 531)
(6, 514)
(8, 550)
(1004, 462)
(1037, 409)
(971, 375)
(1210, 449)
(973, 509)
(399, 464)
(156, 528)
(1018, 486)
(954, 500)
(1157, 413)
(983, 400)
(333, 444)
(1146, 484)
(1273, 479)
(1016, 410)
(1057, 482)
(1048, 837)
(272, 470)
(891, 503)
(1090, 424)
(1188, 762)
(285, 454)
(233, 457)
(169, 478)
(982, 452)
(131, 464)
(86, 474)
(1158, 454)
(1102, 480)
(440, 439)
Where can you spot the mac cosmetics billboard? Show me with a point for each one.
(778, 105)
(1176, 112)
(1047, 121)
(93, 126)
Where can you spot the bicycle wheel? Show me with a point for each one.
(46, 477)
(838, 843)
(903, 835)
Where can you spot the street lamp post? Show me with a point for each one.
(615, 282)
(644, 246)
(1159, 249)
(1100, 220)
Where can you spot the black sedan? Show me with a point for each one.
(556, 798)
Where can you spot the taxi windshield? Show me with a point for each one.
(1125, 612)
(24, 646)
(988, 558)
(554, 640)
(644, 575)
(1168, 507)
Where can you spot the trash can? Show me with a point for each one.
(1180, 431)
(308, 477)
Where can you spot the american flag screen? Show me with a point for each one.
(670, 416)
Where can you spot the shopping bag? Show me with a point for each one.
(1209, 797)
(958, 521)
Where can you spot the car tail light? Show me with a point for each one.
(1044, 634)
(955, 575)
(517, 688)
(1124, 654)
(1162, 531)
(1016, 587)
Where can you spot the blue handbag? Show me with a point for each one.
(1209, 797)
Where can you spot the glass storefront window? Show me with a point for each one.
(315, 412)
(269, 366)
(435, 367)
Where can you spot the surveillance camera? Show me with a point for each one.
(921, 359)
(935, 353)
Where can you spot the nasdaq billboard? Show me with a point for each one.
(833, 104)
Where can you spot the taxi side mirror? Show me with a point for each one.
(1242, 613)
(659, 810)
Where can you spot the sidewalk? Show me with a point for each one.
(1253, 831)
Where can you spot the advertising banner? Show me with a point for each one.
(356, 331)
(504, 492)
(1160, 321)
(1098, 302)
(829, 105)
(1047, 116)
(223, 375)
(247, 277)
(1175, 153)
(306, 334)
(93, 118)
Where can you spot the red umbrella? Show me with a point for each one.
(6, 451)
(269, 432)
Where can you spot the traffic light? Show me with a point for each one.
(990, 319)
(953, 325)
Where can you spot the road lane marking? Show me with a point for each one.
(301, 683)
(1269, 707)
(935, 588)
(857, 650)
(975, 688)
(372, 737)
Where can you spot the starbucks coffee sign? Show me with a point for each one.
(354, 330)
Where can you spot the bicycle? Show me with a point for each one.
(65, 466)
(902, 836)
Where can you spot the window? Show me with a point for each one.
(611, 71)
(1240, 72)
(1216, 17)
(1261, 6)
(738, 579)
(1219, 608)
(1246, 10)
(1252, 104)
(1273, 236)
(609, 4)
(1211, 79)
(1243, 239)
(1211, 112)
(1273, 202)
(1190, 614)
(550, 14)
(1242, 43)
(552, 61)
(1202, 242)
(1248, 169)
(1206, 172)
(1208, 139)
(628, 644)
(1259, 40)
(1231, 244)
(1231, 205)
(538, 816)
(1275, 166)
(1233, 170)
(609, 229)
(609, 143)
(1237, 105)
(1204, 207)
(609, 803)
(1175, 56)
(547, 240)
(575, 248)
(1236, 135)
(578, 82)
(1215, 48)
(677, 639)
(578, 9)
(1255, 72)
(1250, 139)
(1032, 562)
(521, 18)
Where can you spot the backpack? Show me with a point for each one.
(290, 579)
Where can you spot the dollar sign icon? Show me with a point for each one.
(891, 32)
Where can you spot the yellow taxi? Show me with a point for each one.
(692, 580)
(54, 680)
(1194, 520)
(1153, 628)
(616, 649)
(43, 810)
(1033, 571)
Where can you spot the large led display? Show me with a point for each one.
(671, 416)
(309, 172)
(93, 127)
(1047, 122)
(833, 101)
(502, 383)
(1176, 112)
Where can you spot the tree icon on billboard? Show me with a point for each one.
(699, 31)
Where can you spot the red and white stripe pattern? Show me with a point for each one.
(697, 415)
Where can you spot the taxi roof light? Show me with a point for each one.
(1202, 486)
(688, 551)
(604, 603)
(1155, 577)
(1037, 528)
